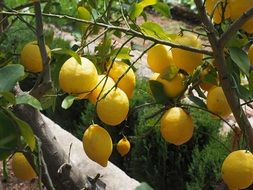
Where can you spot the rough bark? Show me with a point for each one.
(69, 177)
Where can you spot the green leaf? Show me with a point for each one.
(10, 97)
(211, 77)
(68, 101)
(155, 30)
(123, 53)
(9, 136)
(9, 75)
(170, 72)
(83, 13)
(48, 99)
(139, 7)
(27, 133)
(144, 186)
(163, 9)
(28, 99)
(199, 102)
(158, 91)
(67, 52)
(241, 59)
(25, 129)
(238, 41)
(251, 83)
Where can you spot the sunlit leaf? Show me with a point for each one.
(241, 59)
(67, 52)
(155, 30)
(163, 9)
(170, 72)
(28, 99)
(123, 53)
(139, 7)
(9, 96)
(9, 75)
(68, 101)
(83, 13)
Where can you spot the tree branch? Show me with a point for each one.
(112, 27)
(225, 77)
(46, 84)
(235, 27)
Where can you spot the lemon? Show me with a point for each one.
(97, 144)
(173, 87)
(123, 146)
(176, 126)
(78, 78)
(31, 58)
(237, 169)
(159, 58)
(217, 102)
(22, 168)
(113, 108)
(105, 83)
(127, 83)
(217, 13)
(250, 54)
(238, 8)
(187, 60)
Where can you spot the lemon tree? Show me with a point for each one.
(207, 68)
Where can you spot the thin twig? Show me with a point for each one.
(118, 28)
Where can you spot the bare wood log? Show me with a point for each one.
(69, 177)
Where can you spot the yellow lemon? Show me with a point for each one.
(22, 168)
(173, 87)
(78, 78)
(123, 146)
(31, 58)
(176, 126)
(105, 83)
(218, 12)
(237, 169)
(97, 144)
(250, 54)
(217, 102)
(237, 8)
(127, 83)
(187, 60)
(113, 108)
(159, 58)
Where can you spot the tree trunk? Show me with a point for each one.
(70, 177)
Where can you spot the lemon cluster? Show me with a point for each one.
(232, 9)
